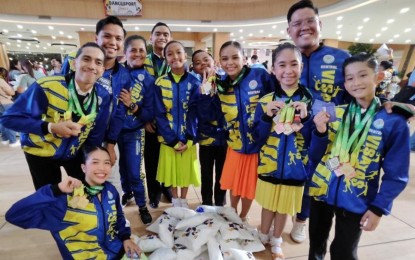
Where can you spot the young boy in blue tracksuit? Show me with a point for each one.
(350, 154)
(211, 132)
(140, 103)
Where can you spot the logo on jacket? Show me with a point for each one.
(110, 195)
(379, 123)
(106, 83)
(99, 100)
(140, 77)
(328, 58)
(253, 84)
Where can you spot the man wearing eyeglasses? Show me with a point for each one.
(322, 75)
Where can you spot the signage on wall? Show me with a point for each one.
(123, 7)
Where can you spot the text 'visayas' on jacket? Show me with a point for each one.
(283, 159)
(238, 105)
(386, 147)
(142, 94)
(322, 74)
(176, 108)
(95, 232)
(46, 101)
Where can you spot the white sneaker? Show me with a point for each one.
(183, 203)
(176, 202)
(263, 237)
(5, 142)
(15, 144)
(298, 232)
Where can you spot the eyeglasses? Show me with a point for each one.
(308, 22)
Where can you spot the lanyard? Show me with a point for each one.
(224, 85)
(346, 142)
(75, 106)
(157, 71)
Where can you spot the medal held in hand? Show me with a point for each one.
(79, 199)
(297, 125)
(333, 163)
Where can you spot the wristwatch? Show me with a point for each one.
(132, 106)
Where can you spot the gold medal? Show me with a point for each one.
(333, 163)
(279, 128)
(288, 129)
(348, 171)
(79, 200)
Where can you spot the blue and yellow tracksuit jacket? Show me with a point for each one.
(322, 74)
(96, 232)
(153, 65)
(142, 93)
(113, 81)
(67, 65)
(386, 147)
(238, 105)
(176, 108)
(283, 159)
(210, 121)
(46, 101)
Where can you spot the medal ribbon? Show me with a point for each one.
(93, 190)
(75, 106)
(224, 85)
(344, 142)
(158, 72)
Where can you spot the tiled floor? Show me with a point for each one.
(394, 238)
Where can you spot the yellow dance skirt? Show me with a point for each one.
(178, 169)
(279, 198)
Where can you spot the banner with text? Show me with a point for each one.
(123, 7)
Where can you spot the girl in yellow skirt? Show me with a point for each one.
(239, 91)
(176, 97)
(283, 127)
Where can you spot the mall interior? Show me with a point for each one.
(43, 30)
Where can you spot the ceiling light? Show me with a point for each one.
(28, 43)
(17, 40)
(61, 42)
(61, 48)
(188, 29)
(339, 37)
(408, 41)
(359, 33)
(243, 42)
(27, 47)
(215, 29)
(282, 31)
(360, 27)
(377, 35)
(19, 26)
(396, 36)
(44, 48)
(250, 35)
(366, 19)
(404, 10)
(371, 40)
(8, 43)
(50, 27)
(82, 28)
(391, 40)
(241, 30)
(339, 18)
(33, 31)
(339, 26)
(241, 37)
(37, 46)
(48, 44)
(19, 35)
(338, 32)
(53, 37)
(136, 28)
(231, 34)
(234, 40)
(408, 30)
(18, 45)
(390, 21)
(5, 30)
(356, 39)
(69, 36)
(274, 27)
(384, 28)
(261, 31)
(60, 32)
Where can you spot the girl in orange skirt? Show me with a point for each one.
(239, 91)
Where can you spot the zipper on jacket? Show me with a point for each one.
(283, 156)
(240, 115)
(337, 190)
(178, 111)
